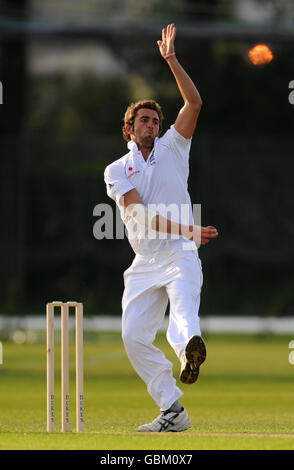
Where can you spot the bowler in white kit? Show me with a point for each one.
(149, 185)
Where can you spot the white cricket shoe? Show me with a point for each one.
(195, 355)
(168, 421)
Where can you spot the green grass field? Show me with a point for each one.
(244, 398)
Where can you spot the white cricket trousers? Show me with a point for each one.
(149, 284)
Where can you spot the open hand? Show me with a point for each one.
(166, 45)
(207, 234)
(202, 235)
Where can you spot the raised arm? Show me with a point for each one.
(186, 121)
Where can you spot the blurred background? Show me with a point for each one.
(69, 69)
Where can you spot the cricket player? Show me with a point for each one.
(148, 183)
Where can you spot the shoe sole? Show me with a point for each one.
(195, 353)
(184, 428)
(181, 428)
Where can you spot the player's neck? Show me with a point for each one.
(145, 150)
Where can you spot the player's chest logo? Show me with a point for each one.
(131, 171)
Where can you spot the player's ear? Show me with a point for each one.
(129, 129)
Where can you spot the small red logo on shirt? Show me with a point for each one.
(133, 173)
(130, 168)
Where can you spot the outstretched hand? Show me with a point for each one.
(207, 234)
(202, 235)
(166, 45)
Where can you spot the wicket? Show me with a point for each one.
(65, 365)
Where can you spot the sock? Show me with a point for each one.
(176, 407)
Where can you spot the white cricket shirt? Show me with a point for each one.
(162, 181)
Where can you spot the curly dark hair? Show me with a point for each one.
(132, 110)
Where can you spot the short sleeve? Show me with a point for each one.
(117, 184)
(178, 143)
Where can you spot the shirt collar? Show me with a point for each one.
(133, 146)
